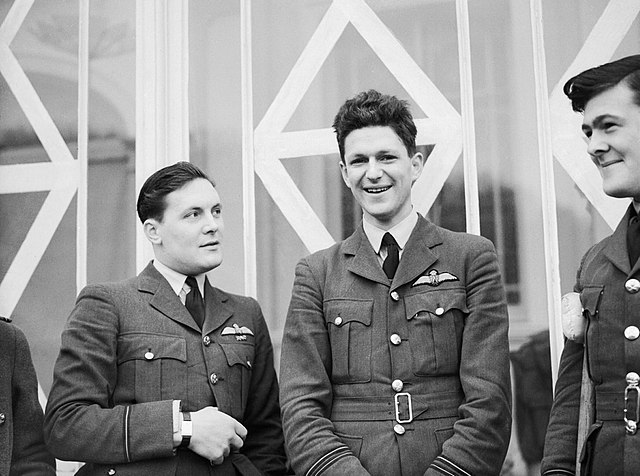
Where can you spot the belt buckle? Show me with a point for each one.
(632, 380)
(397, 402)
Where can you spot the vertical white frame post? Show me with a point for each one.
(248, 158)
(471, 194)
(548, 192)
(83, 143)
(162, 94)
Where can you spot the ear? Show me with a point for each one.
(151, 231)
(417, 165)
(343, 170)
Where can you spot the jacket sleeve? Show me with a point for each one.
(81, 421)
(30, 456)
(481, 434)
(561, 440)
(306, 390)
(264, 444)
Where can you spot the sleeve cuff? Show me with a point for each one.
(177, 423)
(445, 466)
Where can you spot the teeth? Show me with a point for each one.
(377, 190)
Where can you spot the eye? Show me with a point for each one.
(387, 158)
(216, 212)
(193, 214)
(608, 126)
(357, 161)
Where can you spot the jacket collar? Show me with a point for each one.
(417, 256)
(166, 301)
(616, 247)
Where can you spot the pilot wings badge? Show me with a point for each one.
(241, 333)
(434, 278)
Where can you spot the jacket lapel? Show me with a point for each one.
(616, 248)
(362, 258)
(217, 311)
(417, 256)
(164, 299)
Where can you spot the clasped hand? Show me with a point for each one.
(215, 434)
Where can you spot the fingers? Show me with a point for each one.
(241, 431)
(216, 461)
(236, 442)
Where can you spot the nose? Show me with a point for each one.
(373, 169)
(211, 224)
(597, 145)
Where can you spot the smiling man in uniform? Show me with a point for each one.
(395, 357)
(608, 282)
(164, 374)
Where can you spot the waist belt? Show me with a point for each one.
(609, 406)
(402, 407)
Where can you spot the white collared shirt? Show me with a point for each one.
(400, 232)
(177, 280)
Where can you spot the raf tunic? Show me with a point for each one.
(403, 377)
(608, 287)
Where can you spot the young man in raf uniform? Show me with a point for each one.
(395, 357)
(608, 282)
(163, 374)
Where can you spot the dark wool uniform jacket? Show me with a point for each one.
(129, 349)
(355, 344)
(22, 448)
(611, 304)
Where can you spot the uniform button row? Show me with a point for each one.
(397, 385)
(213, 378)
(632, 333)
(399, 429)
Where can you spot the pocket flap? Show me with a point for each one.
(238, 354)
(590, 298)
(339, 312)
(143, 346)
(436, 302)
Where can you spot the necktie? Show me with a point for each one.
(393, 255)
(633, 240)
(194, 302)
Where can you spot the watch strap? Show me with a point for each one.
(187, 430)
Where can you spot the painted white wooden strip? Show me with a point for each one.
(547, 182)
(438, 167)
(248, 167)
(290, 200)
(162, 69)
(14, 19)
(38, 177)
(471, 194)
(32, 106)
(304, 71)
(395, 57)
(83, 143)
(323, 141)
(32, 249)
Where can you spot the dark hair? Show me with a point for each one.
(371, 108)
(584, 86)
(151, 200)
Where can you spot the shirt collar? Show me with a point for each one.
(176, 280)
(400, 231)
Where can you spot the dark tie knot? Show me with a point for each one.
(191, 282)
(194, 302)
(389, 240)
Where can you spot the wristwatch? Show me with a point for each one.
(187, 430)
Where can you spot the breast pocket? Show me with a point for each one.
(590, 298)
(349, 325)
(154, 364)
(436, 320)
(240, 368)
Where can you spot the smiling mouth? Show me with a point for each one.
(209, 245)
(375, 190)
(607, 164)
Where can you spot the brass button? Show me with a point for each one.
(395, 296)
(206, 341)
(395, 339)
(439, 311)
(632, 285)
(213, 378)
(632, 333)
(397, 385)
(633, 378)
(399, 429)
(111, 472)
(149, 355)
(338, 321)
(2, 418)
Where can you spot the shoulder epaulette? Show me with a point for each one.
(5, 319)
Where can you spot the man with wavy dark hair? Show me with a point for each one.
(608, 282)
(395, 357)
